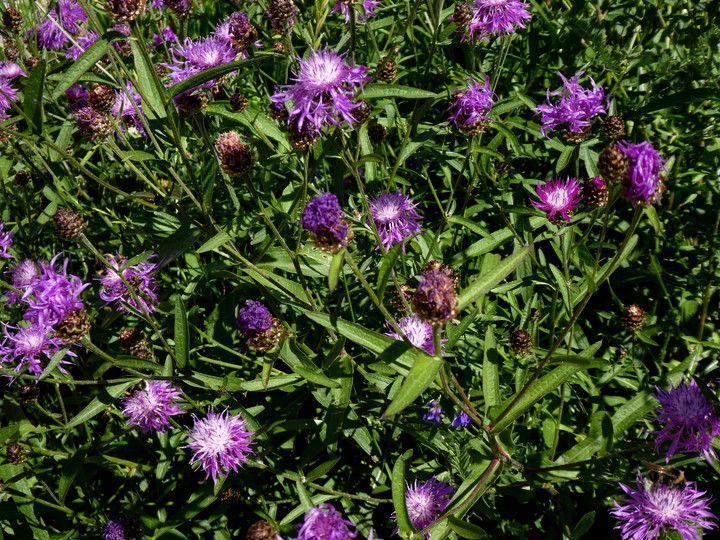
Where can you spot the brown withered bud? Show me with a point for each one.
(69, 224)
(15, 454)
(447, 269)
(29, 393)
(633, 318)
(135, 344)
(261, 530)
(376, 133)
(397, 301)
(521, 341)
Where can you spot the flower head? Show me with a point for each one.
(434, 413)
(129, 528)
(258, 325)
(282, 15)
(325, 523)
(425, 502)
(6, 242)
(11, 70)
(689, 421)
(237, 30)
(236, 158)
(66, 17)
(344, 7)
(220, 443)
(139, 276)
(576, 107)
(151, 407)
(418, 332)
(470, 106)
(28, 345)
(83, 44)
(461, 420)
(395, 218)
(8, 94)
(497, 18)
(559, 197)
(323, 92)
(193, 57)
(643, 176)
(127, 108)
(654, 509)
(435, 299)
(324, 218)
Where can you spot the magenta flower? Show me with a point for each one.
(323, 215)
(643, 177)
(127, 109)
(128, 528)
(83, 44)
(237, 30)
(654, 509)
(50, 32)
(8, 95)
(576, 107)
(22, 276)
(368, 10)
(689, 421)
(6, 242)
(559, 197)
(395, 218)
(325, 523)
(193, 57)
(254, 318)
(151, 407)
(470, 106)
(418, 332)
(137, 275)
(434, 413)
(220, 443)
(425, 501)
(11, 70)
(323, 92)
(497, 18)
(29, 345)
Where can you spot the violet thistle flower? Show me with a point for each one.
(395, 218)
(434, 413)
(470, 107)
(689, 420)
(323, 92)
(114, 288)
(652, 510)
(122, 46)
(130, 528)
(461, 420)
(151, 406)
(258, 325)
(345, 6)
(67, 16)
(642, 185)
(166, 36)
(127, 109)
(435, 299)
(325, 523)
(237, 30)
(193, 57)
(325, 220)
(29, 345)
(418, 332)
(576, 107)
(559, 197)
(496, 18)
(83, 44)
(23, 275)
(11, 70)
(425, 501)
(6, 242)
(221, 443)
(8, 95)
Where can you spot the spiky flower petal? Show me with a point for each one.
(395, 218)
(641, 185)
(425, 502)
(325, 523)
(470, 106)
(418, 332)
(151, 406)
(559, 197)
(497, 18)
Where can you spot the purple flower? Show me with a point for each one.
(238, 31)
(128, 109)
(6, 242)
(654, 509)
(395, 218)
(76, 92)
(559, 197)
(22, 276)
(11, 70)
(193, 57)
(643, 177)
(29, 345)
(220, 443)
(434, 413)
(8, 94)
(325, 523)
(576, 107)
(323, 215)
(435, 299)
(425, 501)
(50, 30)
(83, 43)
(497, 17)
(138, 275)
(167, 36)
(368, 9)
(130, 528)
(151, 407)
(470, 107)
(254, 318)
(114, 530)
(418, 332)
(324, 90)
(689, 421)
(461, 420)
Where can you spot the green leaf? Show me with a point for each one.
(378, 90)
(335, 268)
(322, 469)
(564, 158)
(33, 106)
(177, 243)
(421, 375)
(254, 120)
(466, 530)
(198, 501)
(584, 525)
(482, 285)
(296, 359)
(680, 98)
(386, 268)
(215, 242)
(106, 397)
(398, 495)
(147, 83)
(491, 374)
(70, 468)
(215, 73)
(87, 60)
(126, 361)
(181, 336)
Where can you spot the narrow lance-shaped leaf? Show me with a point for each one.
(33, 106)
(398, 495)
(421, 375)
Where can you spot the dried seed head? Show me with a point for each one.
(68, 223)
(280, 13)
(326, 240)
(502, 168)
(101, 98)
(435, 299)
(12, 20)
(386, 70)
(279, 112)
(73, 327)
(535, 315)
(447, 269)
(301, 140)
(236, 158)
(12, 51)
(521, 341)
(377, 133)
(633, 318)
(576, 137)
(230, 496)
(161, 71)
(179, 7)
(94, 126)
(595, 192)
(462, 14)
(31, 62)
(613, 127)
(279, 47)
(22, 178)
(135, 343)
(261, 530)
(29, 393)
(613, 164)
(397, 301)
(267, 340)
(362, 112)
(238, 103)
(125, 10)
(15, 454)
(190, 104)
(620, 353)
